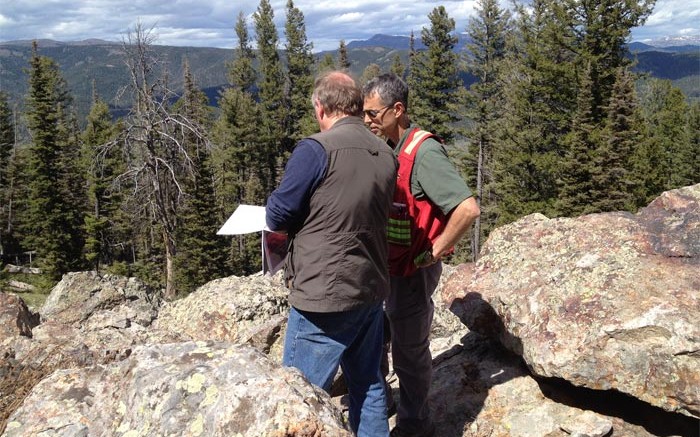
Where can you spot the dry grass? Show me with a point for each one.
(16, 382)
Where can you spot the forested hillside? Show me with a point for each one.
(543, 111)
(100, 64)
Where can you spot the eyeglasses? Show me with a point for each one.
(374, 113)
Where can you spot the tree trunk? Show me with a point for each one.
(169, 267)
(476, 239)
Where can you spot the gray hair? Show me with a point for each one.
(389, 87)
(338, 93)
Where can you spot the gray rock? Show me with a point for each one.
(15, 317)
(605, 301)
(194, 388)
(79, 295)
(251, 309)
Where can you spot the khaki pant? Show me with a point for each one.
(410, 308)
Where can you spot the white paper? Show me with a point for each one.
(244, 220)
(247, 219)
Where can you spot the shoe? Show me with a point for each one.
(398, 432)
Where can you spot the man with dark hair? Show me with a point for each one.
(432, 209)
(334, 202)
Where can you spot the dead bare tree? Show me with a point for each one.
(157, 144)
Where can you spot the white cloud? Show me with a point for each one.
(352, 17)
(211, 22)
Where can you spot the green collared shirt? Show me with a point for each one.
(434, 175)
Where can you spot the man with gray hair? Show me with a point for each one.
(432, 209)
(334, 202)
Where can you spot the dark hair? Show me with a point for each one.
(337, 93)
(389, 87)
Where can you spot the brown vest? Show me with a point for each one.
(338, 259)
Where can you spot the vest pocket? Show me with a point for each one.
(399, 225)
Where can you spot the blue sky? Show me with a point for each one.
(210, 23)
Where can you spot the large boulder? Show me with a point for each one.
(251, 309)
(481, 389)
(605, 301)
(194, 388)
(79, 295)
(88, 319)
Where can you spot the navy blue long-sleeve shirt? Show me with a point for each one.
(288, 205)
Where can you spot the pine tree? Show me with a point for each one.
(327, 63)
(669, 147)
(239, 160)
(600, 31)
(576, 180)
(693, 129)
(300, 62)
(273, 98)
(16, 197)
(101, 224)
(201, 253)
(7, 136)
(343, 58)
(7, 144)
(71, 186)
(411, 50)
(371, 71)
(487, 32)
(397, 66)
(49, 220)
(539, 90)
(613, 182)
(241, 73)
(433, 80)
(157, 142)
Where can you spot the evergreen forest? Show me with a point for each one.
(555, 122)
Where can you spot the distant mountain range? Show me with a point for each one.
(672, 41)
(672, 44)
(84, 63)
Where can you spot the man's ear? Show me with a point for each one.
(399, 109)
(318, 109)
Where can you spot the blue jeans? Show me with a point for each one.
(317, 343)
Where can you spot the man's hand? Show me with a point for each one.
(425, 259)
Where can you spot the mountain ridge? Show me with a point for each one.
(97, 61)
(392, 41)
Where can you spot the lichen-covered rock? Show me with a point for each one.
(251, 309)
(605, 301)
(193, 388)
(88, 319)
(79, 295)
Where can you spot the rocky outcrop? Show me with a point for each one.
(554, 332)
(249, 309)
(88, 319)
(480, 389)
(604, 301)
(194, 389)
(86, 336)
(81, 295)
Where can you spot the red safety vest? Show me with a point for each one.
(414, 224)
